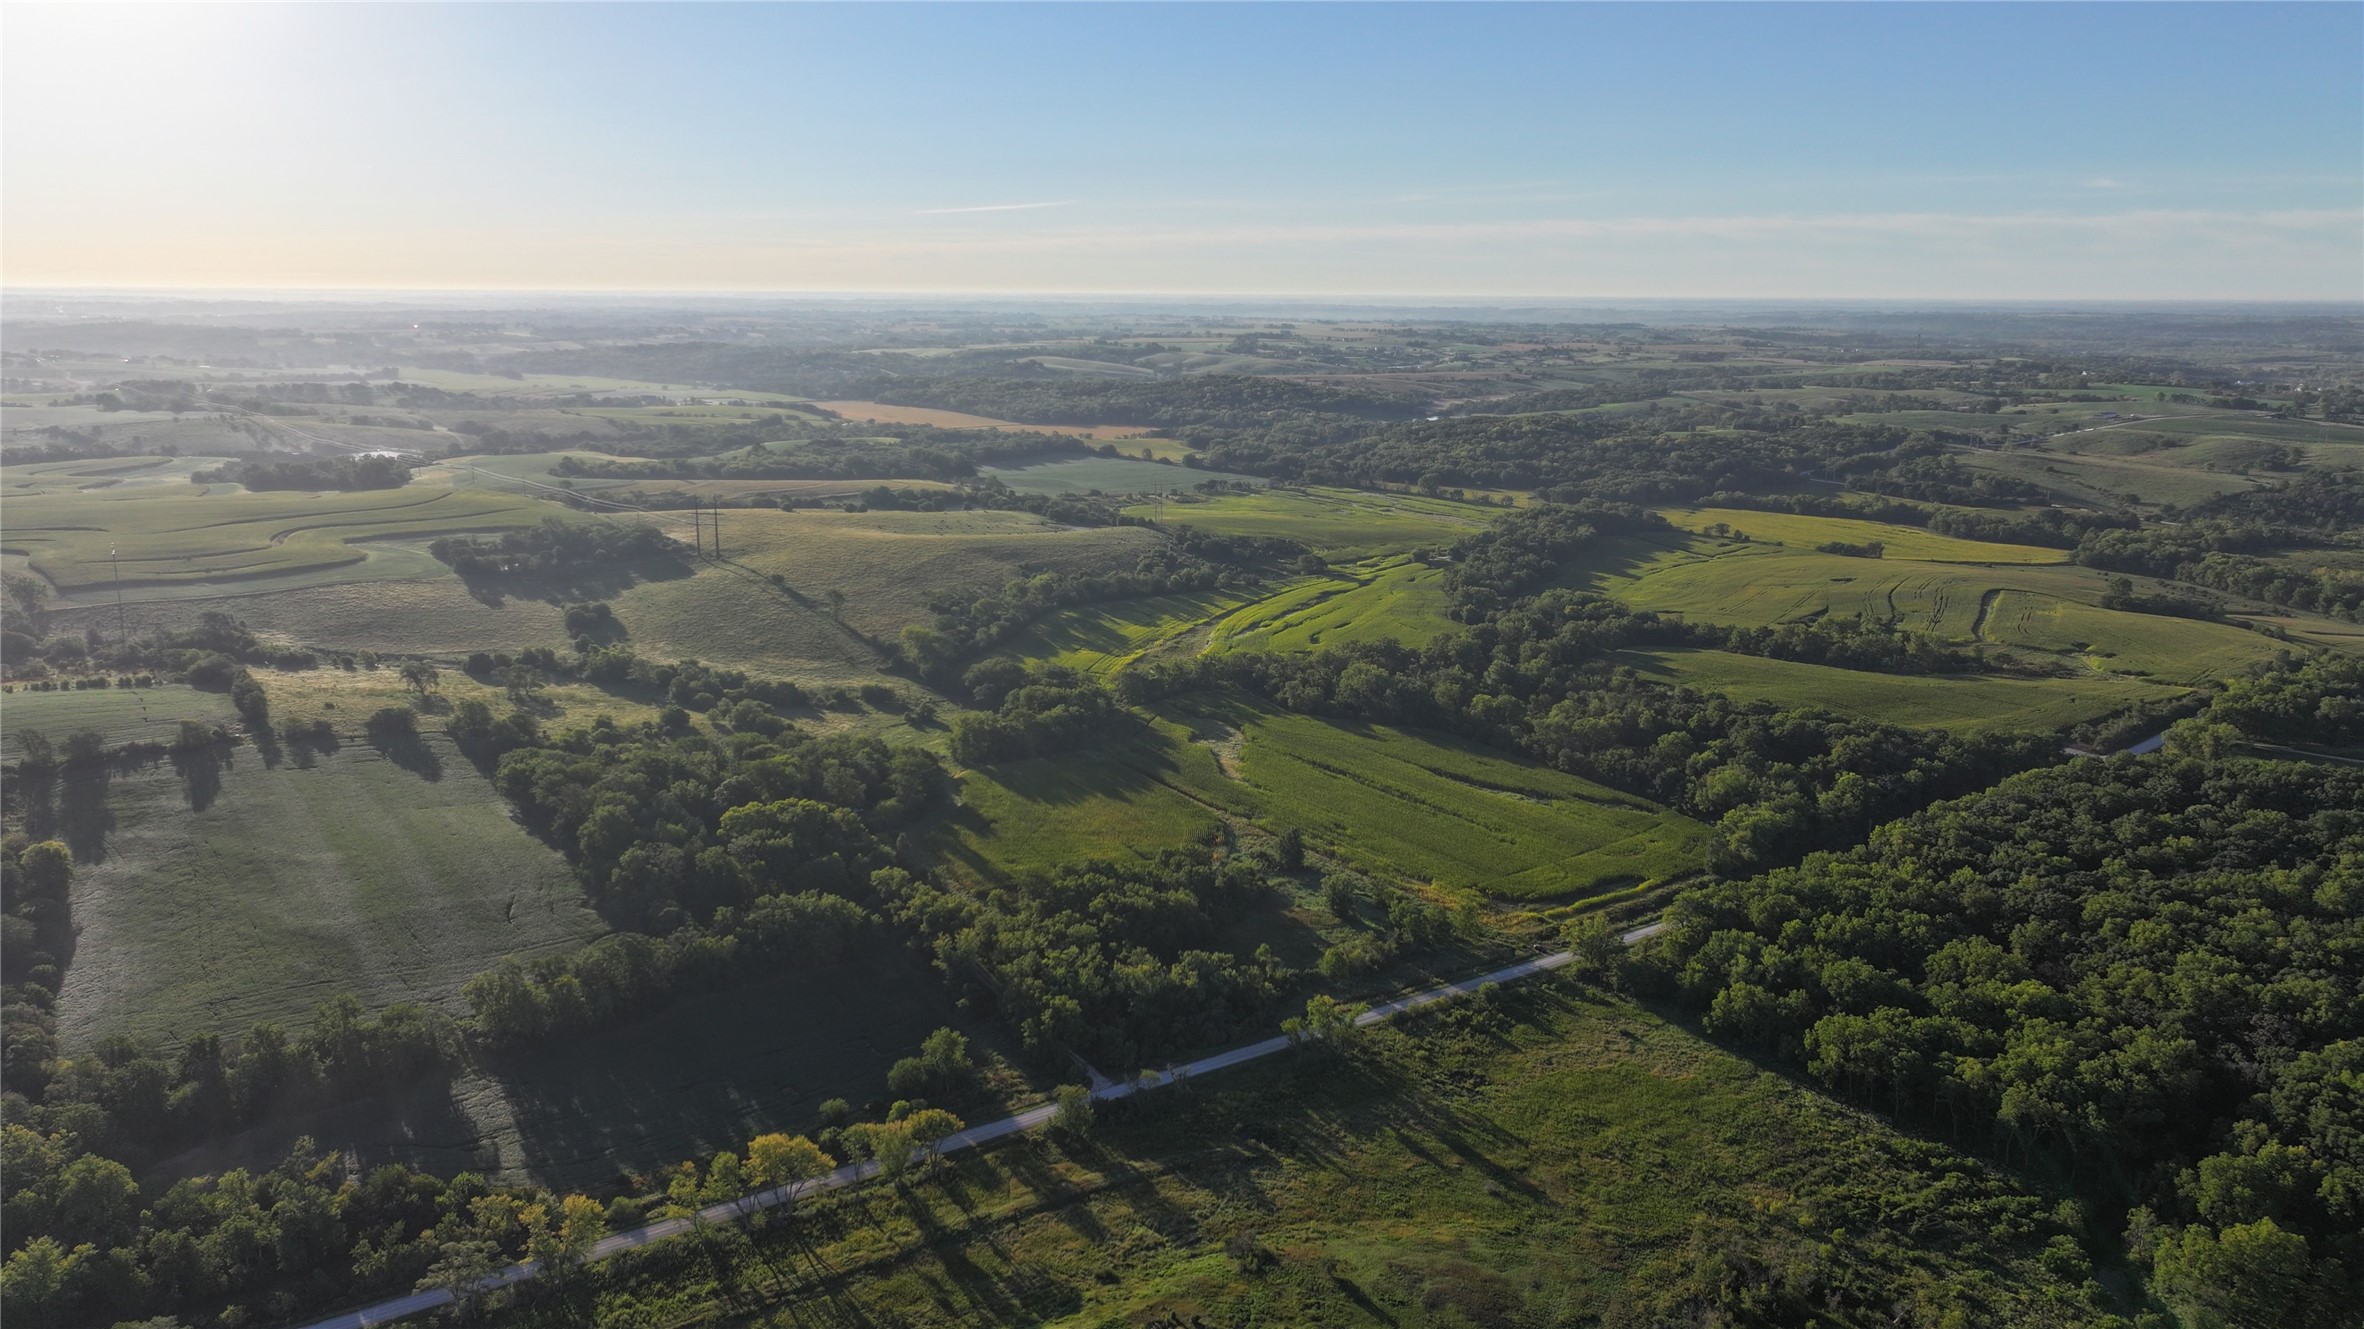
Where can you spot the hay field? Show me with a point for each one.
(1959, 704)
(1335, 523)
(1903, 542)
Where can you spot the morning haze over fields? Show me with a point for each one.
(1420, 665)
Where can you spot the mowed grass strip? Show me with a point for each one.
(1900, 541)
(1959, 704)
(216, 893)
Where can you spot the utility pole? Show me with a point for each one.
(698, 529)
(718, 530)
(122, 636)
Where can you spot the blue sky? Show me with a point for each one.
(1902, 151)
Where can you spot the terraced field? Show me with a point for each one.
(1966, 705)
(1394, 597)
(1106, 475)
(2026, 608)
(1398, 803)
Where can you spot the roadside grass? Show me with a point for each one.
(1904, 542)
(611, 1111)
(120, 715)
(1416, 806)
(1106, 475)
(1960, 704)
(1335, 523)
(1544, 1158)
(219, 890)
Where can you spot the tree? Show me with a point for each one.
(777, 1160)
(2250, 1276)
(420, 675)
(1594, 944)
(1328, 1022)
(462, 1268)
(1073, 1111)
(560, 1239)
(928, 1129)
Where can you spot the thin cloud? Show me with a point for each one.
(996, 207)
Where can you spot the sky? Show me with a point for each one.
(2118, 151)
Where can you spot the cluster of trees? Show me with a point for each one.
(2326, 500)
(554, 546)
(1037, 711)
(2319, 700)
(2151, 971)
(379, 472)
(1122, 963)
(2215, 554)
(667, 827)
(2121, 593)
(626, 975)
(1199, 407)
(2057, 528)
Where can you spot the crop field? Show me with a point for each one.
(882, 413)
(706, 1073)
(1391, 597)
(185, 541)
(120, 715)
(1424, 806)
(1565, 1159)
(217, 892)
(1106, 475)
(1904, 542)
(1335, 523)
(2045, 609)
(98, 473)
(562, 385)
(1965, 705)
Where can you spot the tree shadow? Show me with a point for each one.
(200, 769)
(594, 582)
(83, 816)
(306, 749)
(411, 753)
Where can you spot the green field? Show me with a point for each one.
(1385, 598)
(1335, 523)
(1106, 475)
(214, 894)
(2025, 608)
(120, 715)
(1561, 1160)
(1422, 806)
(1901, 542)
(1964, 704)
(2109, 481)
(1101, 638)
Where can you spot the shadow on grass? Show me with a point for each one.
(593, 582)
(410, 753)
(200, 769)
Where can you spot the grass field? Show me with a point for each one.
(2021, 608)
(882, 413)
(1335, 523)
(1100, 638)
(1388, 597)
(1559, 1161)
(706, 1073)
(1966, 705)
(213, 894)
(1106, 475)
(1904, 542)
(1422, 806)
(2109, 480)
(120, 715)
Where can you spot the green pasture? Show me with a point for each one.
(120, 715)
(217, 890)
(1101, 638)
(1901, 542)
(1335, 523)
(559, 385)
(2109, 481)
(1106, 475)
(1402, 804)
(1958, 704)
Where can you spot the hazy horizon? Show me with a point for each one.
(1463, 152)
